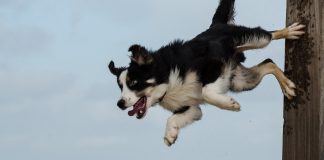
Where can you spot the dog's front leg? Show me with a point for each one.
(179, 120)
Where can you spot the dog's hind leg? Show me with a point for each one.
(254, 38)
(214, 93)
(181, 118)
(221, 101)
(250, 38)
(291, 32)
(248, 78)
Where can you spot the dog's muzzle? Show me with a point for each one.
(121, 104)
(139, 108)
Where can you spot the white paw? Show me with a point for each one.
(171, 135)
(295, 31)
(230, 104)
(235, 106)
(288, 89)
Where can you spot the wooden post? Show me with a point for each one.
(303, 130)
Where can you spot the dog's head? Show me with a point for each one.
(137, 83)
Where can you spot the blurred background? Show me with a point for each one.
(58, 99)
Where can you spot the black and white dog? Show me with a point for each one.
(184, 74)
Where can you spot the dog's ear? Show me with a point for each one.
(140, 55)
(115, 71)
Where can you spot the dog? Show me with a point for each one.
(182, 75)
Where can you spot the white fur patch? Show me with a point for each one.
(152, 80)
(180, 92)
(254, 42)
(154, 94)
(213, 93)
(178, 121)
(221, 85)
(127, 95)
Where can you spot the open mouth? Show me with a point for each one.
(139, 108)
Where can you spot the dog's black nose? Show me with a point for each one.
(121, 104)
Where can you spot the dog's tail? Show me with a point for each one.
(224, 12)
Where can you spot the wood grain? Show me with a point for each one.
(303, 137)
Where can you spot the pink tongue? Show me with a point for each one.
(139, 107)
(132, 112)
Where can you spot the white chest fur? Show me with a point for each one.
(182, 92)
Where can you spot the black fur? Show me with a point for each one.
(184, 74)
(267, 61)
(206, 54)
(224, 13)
(116, 72)
(145, 72)
(181, 110)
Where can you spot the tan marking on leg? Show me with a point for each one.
(294, 31)
(286, 85)
(280, 34)
(243, 48)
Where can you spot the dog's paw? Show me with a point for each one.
(171, 135)
(229, 103)
(235, 106)
(295, 31)
(288, 88)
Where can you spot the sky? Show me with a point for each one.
(58, 99)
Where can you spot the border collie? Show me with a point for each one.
(182, 75)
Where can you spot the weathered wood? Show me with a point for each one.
(303, 131)
(320, 9)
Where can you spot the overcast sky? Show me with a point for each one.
(58, 100)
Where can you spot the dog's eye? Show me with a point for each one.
(133, 83)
